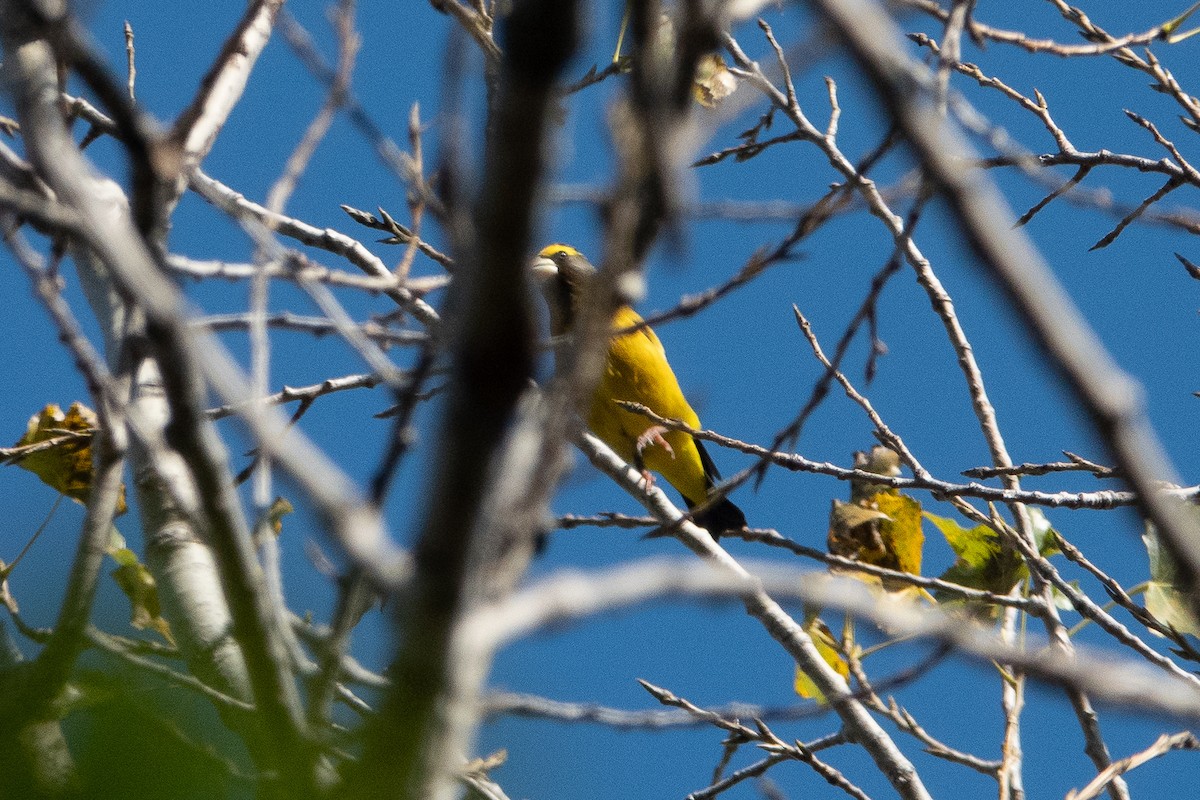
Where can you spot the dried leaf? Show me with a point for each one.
(67, 465)
(479, 767)
(880, 461)
(879, 526)
(713, 81)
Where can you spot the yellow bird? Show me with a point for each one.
(636, 370)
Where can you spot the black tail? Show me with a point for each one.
(720, 517)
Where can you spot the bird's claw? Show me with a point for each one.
(647, 480)
(654, 436)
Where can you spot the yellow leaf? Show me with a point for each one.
(902, 532)
(66, 465)
(889, 536)
(827, 646)
(278, 510)
(879, 526)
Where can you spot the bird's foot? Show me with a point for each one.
(654, 436)
(647, 480)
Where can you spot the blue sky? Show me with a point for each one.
(743, 363)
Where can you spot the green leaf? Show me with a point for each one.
(1061, 601)
(973, 546)
(1043, 534)
(139, 586)
(1166, 598)
(982, 562)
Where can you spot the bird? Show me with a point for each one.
(636, 370)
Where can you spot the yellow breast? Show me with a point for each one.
(636, 370)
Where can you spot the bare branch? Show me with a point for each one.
(1163, 745)
(196, 129)
(940, 489)
(1111, 395)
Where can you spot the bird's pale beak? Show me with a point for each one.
(543, 269)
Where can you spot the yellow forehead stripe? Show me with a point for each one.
(552, 250)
